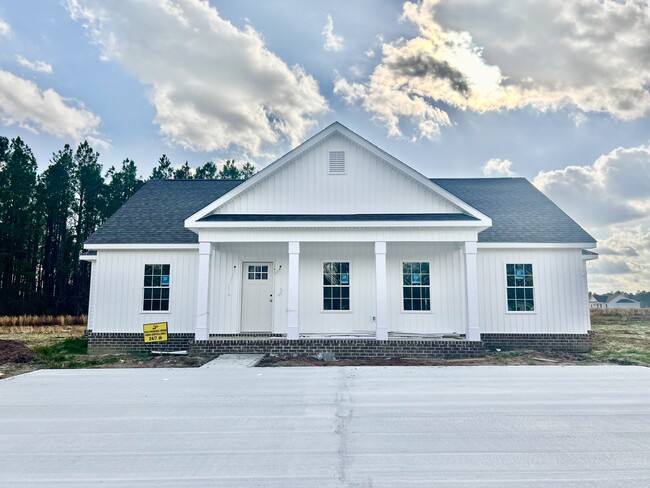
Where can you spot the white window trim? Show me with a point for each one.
(322, 286)
(401, 297)
(142, 287)
(505, 288)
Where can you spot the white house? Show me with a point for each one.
(339, 240)
(614, 301)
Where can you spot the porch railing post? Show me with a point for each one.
(381, 319)
(201, 331)
(471, 285)
(293, 298)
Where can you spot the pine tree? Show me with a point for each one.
(247, 171)
(19, 226)
(229, 171)
(164, 170)
(56, 196)
(208, 171)
(183, 173)
(122, 185)
(88, 213)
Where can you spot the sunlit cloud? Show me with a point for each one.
(214, 86)
(498, 167)
(24, 104)
(585, 56)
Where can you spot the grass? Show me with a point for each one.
(621, 336)
(42, 320)
(71, 352)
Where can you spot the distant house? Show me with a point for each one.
(616, 301)
(338, 240)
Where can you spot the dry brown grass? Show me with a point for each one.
(42, 320)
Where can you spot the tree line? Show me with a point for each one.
(45, 219)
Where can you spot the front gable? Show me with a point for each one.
(337, 172)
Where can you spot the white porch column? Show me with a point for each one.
(201, 332)
(382, 291)
(293, 297)
(471, 284)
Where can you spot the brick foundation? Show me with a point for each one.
(342, 348)
(540, 342)
(101, 342)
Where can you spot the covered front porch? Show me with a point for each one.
(398, 291)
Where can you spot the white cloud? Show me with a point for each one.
(614, 190)
(213, 86)
(624, 261)
(333, 42)
(498, 167)
(5, 29)
(24, 104)
(495, 55)
(611, 198)
(38, 66)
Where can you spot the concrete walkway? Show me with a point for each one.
(234, 361)
(540, 426)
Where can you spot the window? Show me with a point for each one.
(258, 272)
(416, 290)
(336, 286)
(156, 287)
(337, 162)
(519, 284)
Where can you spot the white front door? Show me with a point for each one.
(257, 297)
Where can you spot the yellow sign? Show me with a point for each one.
(155, 332)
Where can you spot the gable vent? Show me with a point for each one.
(337, 162)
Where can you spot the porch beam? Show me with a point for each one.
(293, 298)
(381, 319)
(201, 331)
(471, 285)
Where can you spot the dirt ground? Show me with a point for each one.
(619, 337)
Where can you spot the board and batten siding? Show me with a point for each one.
(370, 185)
(560, 292)
(226, 276)
(313, 319)
(447, 289)
(120, 280)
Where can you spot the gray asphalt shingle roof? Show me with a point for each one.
(519, 212)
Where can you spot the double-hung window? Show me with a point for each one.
(519, 287)
(336, 286)
(156, 288)
(416, 288)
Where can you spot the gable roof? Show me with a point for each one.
(519, 212)
(340, 129)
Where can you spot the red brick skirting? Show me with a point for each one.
(101, 342)
(540, 342)
(341, 348)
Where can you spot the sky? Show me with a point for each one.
(554, 91)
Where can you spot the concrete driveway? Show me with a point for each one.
(517, 426)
